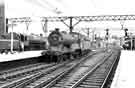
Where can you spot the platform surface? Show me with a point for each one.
(19, 56)
(125, 72)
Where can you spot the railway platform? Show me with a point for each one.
(19, 55)
(125, 72)
(9, 61)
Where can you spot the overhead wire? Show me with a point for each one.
(45, 5)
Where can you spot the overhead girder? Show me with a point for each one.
(106, 18)
(79, 18)
(25, 20)
(54, 19)
(89, 18)
(20, 20)
(62, 19)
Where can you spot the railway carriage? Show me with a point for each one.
(5, 42)
(20, 41)
(5, 45)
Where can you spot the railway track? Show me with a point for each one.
(44, 79)
(70, 77)
(99, 75)
(29, 78)
(12, 74)
(43, 76)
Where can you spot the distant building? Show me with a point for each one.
(2, 17)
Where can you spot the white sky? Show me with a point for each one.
(38, 8)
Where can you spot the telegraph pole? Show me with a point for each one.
(12, 38)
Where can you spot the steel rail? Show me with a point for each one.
(114, 64)
(90, 72)
(66, 72)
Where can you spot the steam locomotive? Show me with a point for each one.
(63, 46)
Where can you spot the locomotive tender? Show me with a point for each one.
(63, 46)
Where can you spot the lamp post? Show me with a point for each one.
(131, 40)
(12, 38)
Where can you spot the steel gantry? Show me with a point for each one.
(12, 22)
(86, 19)
(74, 20)
(26, 20)
(106, 18)
(44, 20)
